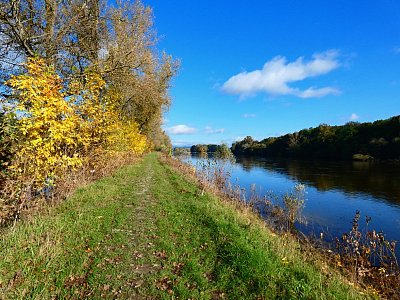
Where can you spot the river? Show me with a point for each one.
(335, 191)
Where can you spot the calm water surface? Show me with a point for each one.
(335, 191)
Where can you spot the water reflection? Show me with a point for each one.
(335, 191)
(380, 180)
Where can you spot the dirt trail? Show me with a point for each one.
(138, 260)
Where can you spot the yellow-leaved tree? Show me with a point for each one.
(125, 136)
(95, 114)
(47, 126)
(103, 126)
(58, 131)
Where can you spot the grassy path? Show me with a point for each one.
(146, 233)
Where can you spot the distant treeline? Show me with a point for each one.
(202, 148)
(181, 150)
(380, 139)
(221, 151)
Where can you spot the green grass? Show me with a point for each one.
(145, 232)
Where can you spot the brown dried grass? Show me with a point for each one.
(17, 200)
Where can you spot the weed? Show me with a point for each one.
(370, 256)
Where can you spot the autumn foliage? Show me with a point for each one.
(47, 130)
(89, 88)
(56, 132)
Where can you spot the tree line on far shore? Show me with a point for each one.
(379, 139)
(221, 151)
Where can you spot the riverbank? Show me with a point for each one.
(147, 232)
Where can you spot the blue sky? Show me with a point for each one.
(266, 68)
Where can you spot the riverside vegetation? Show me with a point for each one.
(365, 256)
(147, 232)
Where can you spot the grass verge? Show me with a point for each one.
(147, 233)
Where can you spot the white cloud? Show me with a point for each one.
(210, 130)
(249, 116)
(317, 93)
(276, 74)
(181, 129)
(354, 117)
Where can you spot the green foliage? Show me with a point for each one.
(181, 151)
(223, 152)
(219, 151)
(379, 139)
(199, 148)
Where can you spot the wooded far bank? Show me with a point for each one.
(379, 139)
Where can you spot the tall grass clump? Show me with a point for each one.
(294, 204)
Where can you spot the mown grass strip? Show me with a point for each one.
(146, 233)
